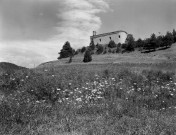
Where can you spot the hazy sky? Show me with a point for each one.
(34, 31)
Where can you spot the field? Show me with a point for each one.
(90, 99)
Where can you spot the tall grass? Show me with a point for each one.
(88, 100)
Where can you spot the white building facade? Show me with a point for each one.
(105, 38)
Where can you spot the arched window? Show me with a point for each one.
(119, 36)
(110, 38)
(100, 39)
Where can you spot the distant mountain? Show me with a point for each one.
(9, 67)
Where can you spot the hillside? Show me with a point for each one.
(159, 56)
(9, 67)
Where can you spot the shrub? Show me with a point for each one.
(118, 50)
(83, 49)
(99, 49)
(112, 44)
(92, 45)
(87, 56)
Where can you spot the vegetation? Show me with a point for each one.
(83, 49)
(88, 99)
(87, 56)
(92, 45)
(67, 51)
(99, 49)
(130, 43)
(153, 43)
(112, 44)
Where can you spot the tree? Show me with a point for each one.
(159, 41)
(168, 39)
(174, 35)
(83, 49)
(111, 44)
(139, 43)
(152, 41)
(150, 44)
(92, 45)
(66, 51)
(87, 56)
(99, 49)
(130, 41)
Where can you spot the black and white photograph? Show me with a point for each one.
(87, 67)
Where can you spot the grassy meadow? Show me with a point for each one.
(90, 99)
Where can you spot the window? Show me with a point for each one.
(110, 38)
(119, 36)
(100, 39)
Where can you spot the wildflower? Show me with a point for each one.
(79, 99)
(113, 79)
(94, 90)
(37, 101)
(58, 89)
(99, 92)
(27, 76)
(52, 75)
(171, 94)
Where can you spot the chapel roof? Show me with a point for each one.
(106, 34)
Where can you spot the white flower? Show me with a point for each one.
(37, 102)
(94, 90)
(58, 89)
(99, 97)
(79, 99)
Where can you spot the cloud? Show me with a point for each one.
(79, 19)
(34, 31)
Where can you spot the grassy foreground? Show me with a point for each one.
(90, 99)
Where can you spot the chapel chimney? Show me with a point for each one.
(94, 33)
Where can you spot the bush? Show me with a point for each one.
(87, 56)
(99, 49)
(83, 49)
(112, 44)
(118, 50)
(92, 45)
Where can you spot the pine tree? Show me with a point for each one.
(174, 35)
(130, 41)
(150, 43)
(92, 45)
(87, 56)
(66, 51)
(168, 39)
(112, 44)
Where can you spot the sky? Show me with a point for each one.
(34, 31)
